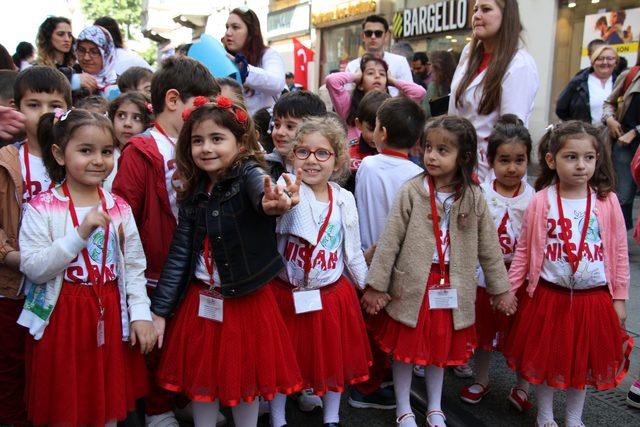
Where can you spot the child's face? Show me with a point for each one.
(441, 155)
(575, 162)
(283, 133)
(213, 147)
(144, 86)
(315, 173)
(34, 104)
(367, 131)
(7, 102)
(374, 77)
(88, 156)
(127, 121)
(510, 163)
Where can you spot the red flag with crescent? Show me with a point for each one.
(302, 55)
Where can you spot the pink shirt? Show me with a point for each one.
(529, 254)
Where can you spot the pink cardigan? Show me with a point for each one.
(341, 96)
(530, 250)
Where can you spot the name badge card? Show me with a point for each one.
(307, 301)
(443, 298)
(211, 306)
(100, 332)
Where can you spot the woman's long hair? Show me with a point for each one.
(46, 51)
(254, 45)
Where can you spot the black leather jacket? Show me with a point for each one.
(243, 242)
(574, 103)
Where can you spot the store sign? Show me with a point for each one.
(293, 20)
(343, 11)
(435, 18)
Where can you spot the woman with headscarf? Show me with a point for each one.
(96, 55)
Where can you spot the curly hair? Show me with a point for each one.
(46, 50)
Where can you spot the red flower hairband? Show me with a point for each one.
(220, 101)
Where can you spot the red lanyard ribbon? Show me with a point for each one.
(28, 171)
(308, 248)
(163, 133)
(574, 259)
(394, 153)
(96, 279)
(208, 260)
(436, 229)
(502, 229)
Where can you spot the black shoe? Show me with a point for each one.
(331, 425)
(383, 398)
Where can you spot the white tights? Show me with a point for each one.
(402, 376)
(575, 405)
(330, 404)
(244, 414)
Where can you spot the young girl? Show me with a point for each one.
(430, 313)
(131, 114)
(509, 150)
(227, 344)
(573, 249)
(373, 75)
(80, 247)
(320, 242)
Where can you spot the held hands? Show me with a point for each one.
(620, 306)
(506, 302)
(143, 332)
(278, 199)
(94, 219)
(159, 324)
(373, 301)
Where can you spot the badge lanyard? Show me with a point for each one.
(27, 178)
(308, 248)
(208, 261)
(436, 229)
(97, 280)
(163, 133)
(394, 153)
(574, 259)
(502, 229)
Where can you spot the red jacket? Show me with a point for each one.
(141, 182)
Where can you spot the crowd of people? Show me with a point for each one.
(172, 241)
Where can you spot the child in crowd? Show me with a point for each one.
(86, 306)
(373, 75)
(429, 307)
(508, 153)
(96, 103)
(131, 114)
(147, 180)
(288, 113)
(320, 242)
(231, 89)
(136, 79)
(228, 344)
(573, 253)
(38, 90)
(7, 80)
(365, 122)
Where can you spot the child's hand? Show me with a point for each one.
(275, 201)
(12, 260)
(357, 79)
(506, 302)
(390, 80)
(143, 332)
(293, 187)
(159, 323)
(11, 122)
(373, 301)
(94, 219)
(627, 138)
(369, 253)
(620, 306)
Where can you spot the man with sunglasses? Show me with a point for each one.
(375, 34)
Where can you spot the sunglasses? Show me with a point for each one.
(321, 155)
(377, 33)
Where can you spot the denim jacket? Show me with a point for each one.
(243, 242)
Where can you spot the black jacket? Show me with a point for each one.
(242, 239)
(573, 102)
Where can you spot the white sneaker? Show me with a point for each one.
(168, 419)
(307, 401)
(418, 371)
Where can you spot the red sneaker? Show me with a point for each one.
(519, 399)
(469, 396)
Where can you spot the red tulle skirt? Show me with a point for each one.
(492, 326)
(569, 339)
(331, 345)
(247, 355)
(432, 342)
(72, 381)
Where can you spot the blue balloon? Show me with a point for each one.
(212, 54)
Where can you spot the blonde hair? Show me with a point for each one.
(598, 51)
(334, 132)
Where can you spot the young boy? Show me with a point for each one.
(288, 113)
(37, 90)
(399, 125)
(146, 180)
(7, 80)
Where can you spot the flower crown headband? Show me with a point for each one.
(221, 102)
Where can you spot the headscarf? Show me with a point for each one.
(102, 39)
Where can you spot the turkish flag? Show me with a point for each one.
(302, 55)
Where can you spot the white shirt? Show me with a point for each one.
(77, 270)
(597, 95)
(327, 259)
(519, 87)
(555, 268)
(126, 59)
(203, 274)
(398, 68)
(378, 180)
(39, 178)
(446, 200)
(167, 149)
(265, 83)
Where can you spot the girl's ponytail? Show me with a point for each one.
(46, 139)
(547, 175)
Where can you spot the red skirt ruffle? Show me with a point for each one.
(432, 342)
(569, 340)
(331, 345)
(248, 355)
(72, 381)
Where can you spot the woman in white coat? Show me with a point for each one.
(261, 68)
(495, 76)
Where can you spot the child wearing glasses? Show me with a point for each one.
(319, 241)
